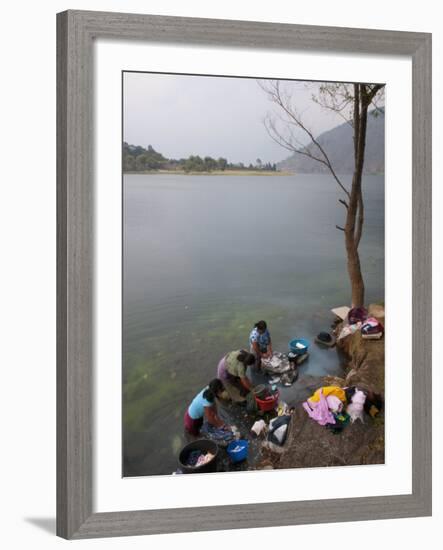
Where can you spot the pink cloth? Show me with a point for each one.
(319, 411)
(334, 403)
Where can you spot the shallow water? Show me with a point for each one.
(207, 256)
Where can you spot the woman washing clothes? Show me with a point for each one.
(203, 408)
(260, 342)
(231, 371)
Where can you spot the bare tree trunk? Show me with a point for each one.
(355, 214)
(353, 199)
(355, 275)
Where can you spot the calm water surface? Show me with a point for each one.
(207, 256)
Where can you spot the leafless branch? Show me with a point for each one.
(337, 98)
(282, 100)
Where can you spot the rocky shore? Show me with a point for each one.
(310, 445)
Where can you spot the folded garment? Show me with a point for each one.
(319, 410)
(371, 327)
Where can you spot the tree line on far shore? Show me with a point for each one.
(139, 159)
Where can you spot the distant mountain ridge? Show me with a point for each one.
(338, 145)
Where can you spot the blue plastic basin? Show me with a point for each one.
(238, 450)
(299, 351)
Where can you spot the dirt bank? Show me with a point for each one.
(311, 445)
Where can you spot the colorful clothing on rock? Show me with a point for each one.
(334, 403)
(262, 339)
(319, 410)
(329, 390)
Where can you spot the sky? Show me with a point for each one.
(183, 115)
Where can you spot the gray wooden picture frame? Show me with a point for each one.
(76, 32)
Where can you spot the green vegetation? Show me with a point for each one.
(160, 380)
(139, 159)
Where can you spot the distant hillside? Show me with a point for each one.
(339, 147)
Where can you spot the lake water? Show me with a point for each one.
(205, 257)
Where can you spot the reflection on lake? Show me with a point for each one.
(207, 256)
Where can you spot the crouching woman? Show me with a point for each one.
(203, 408)
(232, 370)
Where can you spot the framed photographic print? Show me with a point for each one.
(244, 280)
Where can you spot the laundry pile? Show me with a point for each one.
(277, 363)
(358, 319)
(281, 368)
(198, 458)
(335, 407)
(222, 436)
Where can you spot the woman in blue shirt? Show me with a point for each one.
(260, 342)
(203, 407)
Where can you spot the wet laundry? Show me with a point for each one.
(278, 363)
(288, 378)
(204, 459)
(198, 458)
(222, 436)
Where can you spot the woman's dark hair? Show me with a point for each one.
(246, 358)
(208, 395)
(215, 386)
(261, 325)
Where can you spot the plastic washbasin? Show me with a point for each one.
(238, 450)
(301, 341)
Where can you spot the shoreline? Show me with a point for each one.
(231, 173)
(309, 445)
(212, 173)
